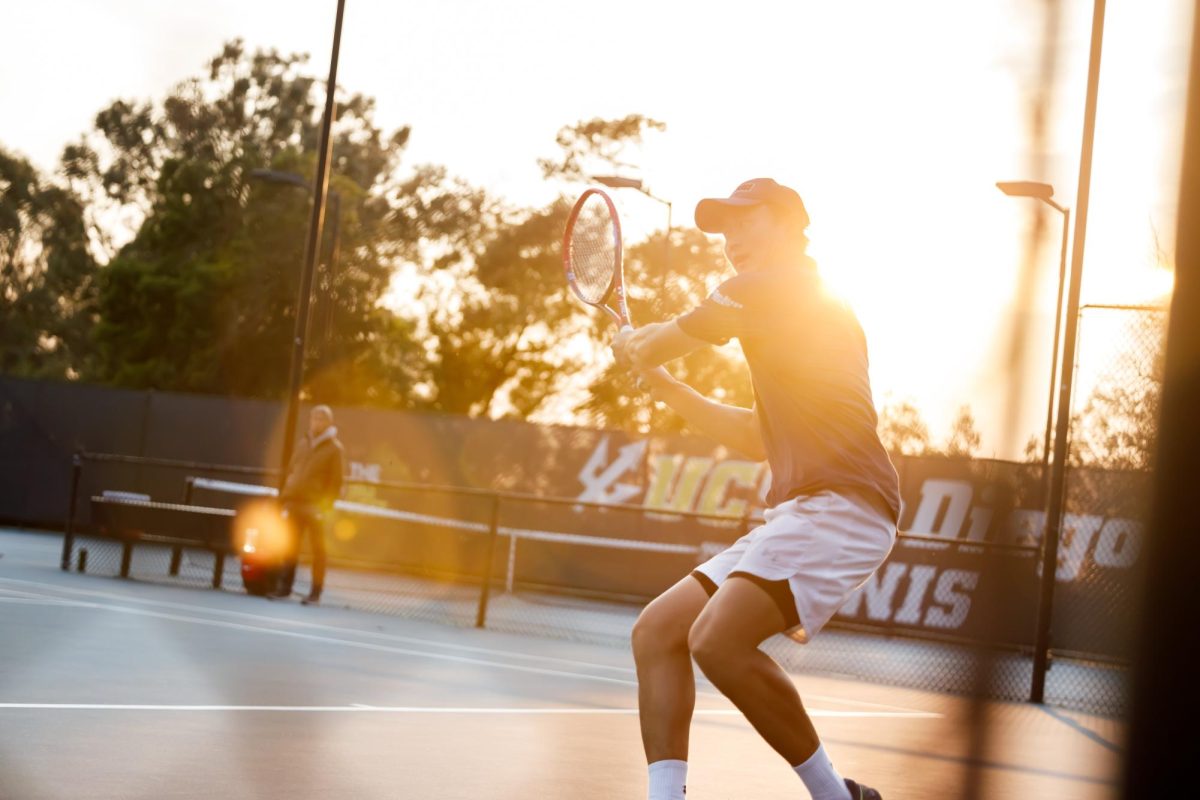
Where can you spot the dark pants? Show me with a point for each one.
(305, 523)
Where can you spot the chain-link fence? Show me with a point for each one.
(1114, 416)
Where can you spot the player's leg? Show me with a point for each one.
(666, 684)
(724, 642)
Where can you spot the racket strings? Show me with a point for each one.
(593, 251)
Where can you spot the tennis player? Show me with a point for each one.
(831, 511)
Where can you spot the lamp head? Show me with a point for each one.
(617, 182)
(1039, 191)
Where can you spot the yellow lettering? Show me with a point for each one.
(715, 499)
(675, 488)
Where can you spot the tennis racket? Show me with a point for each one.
(592, 255)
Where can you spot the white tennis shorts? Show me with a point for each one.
(825, 545)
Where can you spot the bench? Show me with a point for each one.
(134, 519)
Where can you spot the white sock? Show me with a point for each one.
(821, 779)
(668, 780)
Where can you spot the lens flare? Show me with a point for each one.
(261, 530)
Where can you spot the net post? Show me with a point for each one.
(511, 569)
(126, 556)
(218, 569)
(69, 530)
(176, 560)
(490, 563)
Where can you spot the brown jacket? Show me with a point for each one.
(314, 478)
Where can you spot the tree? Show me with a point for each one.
(697, 266)
(479, 321)
(46, 287)
(964, 437)
(512, 310)
(902, 429)
(597, 146)
(203, 297)
(504, 335)
(1117, 427)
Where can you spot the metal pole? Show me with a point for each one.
(318, 319)
(126, 555)
(218, 570)
(69, 532)
(331, 293)
(667, 259)
(316, 225)
(490, 563)
(1054, 512)
(1062, 280)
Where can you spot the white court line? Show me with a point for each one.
(39, 601)
(358, 707)
(393, 637)
(218, 623)
(321, 627)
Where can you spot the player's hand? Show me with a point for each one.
(621, 346)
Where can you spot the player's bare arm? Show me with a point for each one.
(651, 345)
(735, 427)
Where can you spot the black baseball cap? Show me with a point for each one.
(713, 213)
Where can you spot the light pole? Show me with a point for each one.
(1045, 193)
(316, 225)
(323, 316)
(618, 182)
(1058, 467)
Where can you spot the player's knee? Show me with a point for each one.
(707, 648)
(656, 632)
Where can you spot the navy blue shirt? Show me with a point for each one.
(808, 361)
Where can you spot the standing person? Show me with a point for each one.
(313, 483)
(831, 511)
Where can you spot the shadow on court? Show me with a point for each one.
(121, 689)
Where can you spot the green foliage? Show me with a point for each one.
(508, 329)
(45, 274)
(203, 297)
(696, 265)
(203, 259)
(502, 333)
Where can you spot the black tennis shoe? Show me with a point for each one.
(861, 792)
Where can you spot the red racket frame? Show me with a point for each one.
(616, 287)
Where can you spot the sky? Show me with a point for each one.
(893, 121)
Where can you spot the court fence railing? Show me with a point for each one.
(440, 541)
